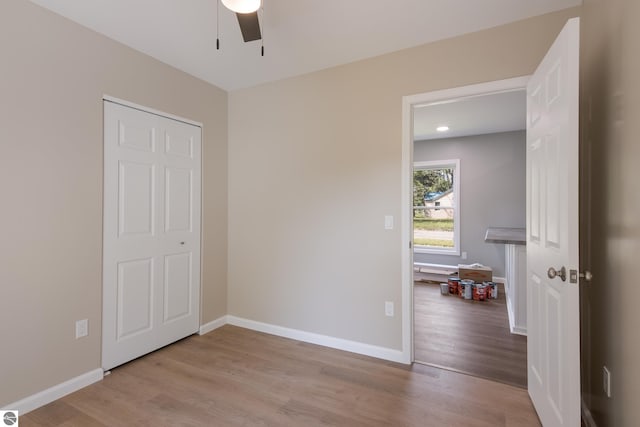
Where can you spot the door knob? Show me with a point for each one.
(553, 273)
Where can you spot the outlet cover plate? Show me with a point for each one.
(388, 308)
(82, 328)
(388, 222)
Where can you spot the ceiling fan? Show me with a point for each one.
(247, 13)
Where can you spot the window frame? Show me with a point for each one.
(441, 164)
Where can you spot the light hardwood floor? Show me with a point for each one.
(468, 336)
(237, 377)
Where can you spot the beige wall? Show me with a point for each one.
(314, 166)
(610, 232)
(53, 74)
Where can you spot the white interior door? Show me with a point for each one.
(151, 257)
(552, 233)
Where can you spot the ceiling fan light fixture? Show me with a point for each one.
(242, 6)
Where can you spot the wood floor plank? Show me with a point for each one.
(236, 377)
(467, 336)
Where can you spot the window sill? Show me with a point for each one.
(435, 251)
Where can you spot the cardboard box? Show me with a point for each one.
(476, 272)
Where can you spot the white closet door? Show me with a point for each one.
(151, 257)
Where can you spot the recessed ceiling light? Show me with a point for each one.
(442, 128)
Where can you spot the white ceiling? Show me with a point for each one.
(300, 36)
(478, 115)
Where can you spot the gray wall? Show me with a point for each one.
(492, 187)
(610, 209)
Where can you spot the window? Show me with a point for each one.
(436, 207)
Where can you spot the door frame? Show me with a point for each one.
(150, 110)
(406, 221)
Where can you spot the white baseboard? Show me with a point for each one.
(519, 330)
(310, 337)
(213, 325)
(323, 340)
(513, 328)
(60, 390)
(44, 397)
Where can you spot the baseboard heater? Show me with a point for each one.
(435, 272)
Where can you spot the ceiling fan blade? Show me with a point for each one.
(250, 26)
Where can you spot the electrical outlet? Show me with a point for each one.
(463, 255)
(606, 381)
(388, 308)
(82, 328)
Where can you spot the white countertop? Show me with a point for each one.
(513, 236)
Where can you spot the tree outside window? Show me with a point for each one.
(436, 207)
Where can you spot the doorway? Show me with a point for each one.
(447, 331)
